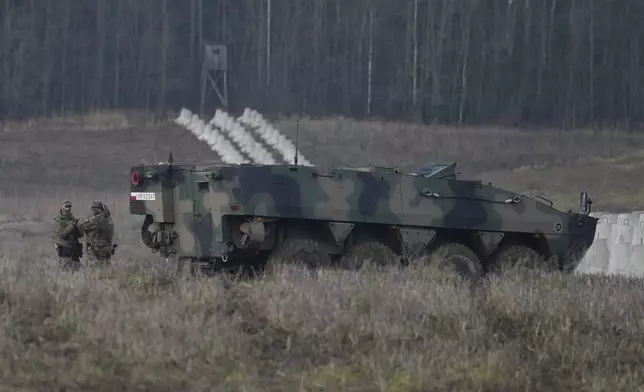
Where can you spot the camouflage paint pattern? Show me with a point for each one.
(192, 200)
(65, 234)
(99, 236)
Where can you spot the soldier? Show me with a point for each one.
(99, 234)
(66, 236)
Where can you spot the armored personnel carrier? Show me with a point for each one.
(218, 215)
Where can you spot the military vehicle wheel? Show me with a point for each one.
(368, 252)
(185, 264)
(515, 257)
(571, 261)
(204, 270)
(304, 252)
(458, 258)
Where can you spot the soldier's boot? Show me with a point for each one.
(68, 264)
(102, 262)
(97, 258)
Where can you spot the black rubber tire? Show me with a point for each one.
(518, 257)
(186, 266)
(572, 259)
(183, 265)
(370, 250)
(304, 252)
(201, 270)
(458, 258)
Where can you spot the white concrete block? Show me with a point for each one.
(638, 230)
(634, 218)
(624, 219)
(638, 233)
(602, 231)
(620, 233)
(604, 225)
(618, 247)
(596, 259)
(636, 262)
(620, 255)
(609, 218)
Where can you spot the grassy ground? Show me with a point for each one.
(137, 326)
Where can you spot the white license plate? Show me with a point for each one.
(142, 196)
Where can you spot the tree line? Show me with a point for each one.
(567, 63)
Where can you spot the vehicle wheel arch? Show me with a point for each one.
(536, 242)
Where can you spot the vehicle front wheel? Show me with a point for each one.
(303, 252)
(518, 258)
(459, 258)
(368, 251)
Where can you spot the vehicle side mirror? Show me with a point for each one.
(585, 203)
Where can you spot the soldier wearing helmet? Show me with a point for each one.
(66, 238)
(99, 234)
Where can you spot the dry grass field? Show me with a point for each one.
(136, 326)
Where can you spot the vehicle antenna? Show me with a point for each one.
(297, 137)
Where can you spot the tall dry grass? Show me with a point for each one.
(136, 326)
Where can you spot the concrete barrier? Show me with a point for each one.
(597, 258)
(636, 262)
(618, 247)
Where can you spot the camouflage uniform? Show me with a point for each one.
(99, 234)
(65, 237)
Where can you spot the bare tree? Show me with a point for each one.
(566, 63)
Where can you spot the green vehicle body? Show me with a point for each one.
(217, 213)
